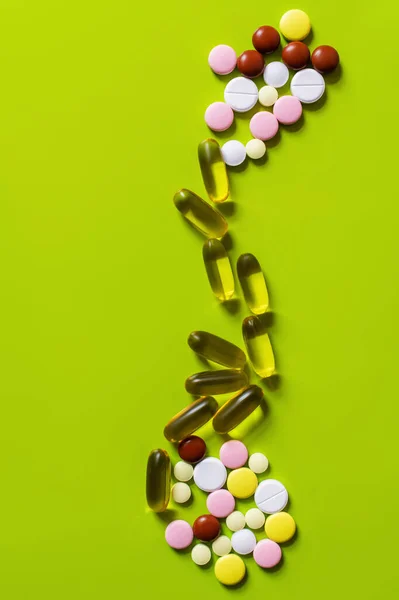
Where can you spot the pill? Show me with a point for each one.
(191, 418)
(258, 463)
(276, 74)
(250, 63)
(241, 94)
(271, 496)
(280, 527)
(222, 59)
(230, 569)
(267, 554)
(192, 449)
(183, 471)
(235, 521)
(213, 170)
(218, 269)
(219, 116)
(259, 348)
(220, 382)
(237, 409)
(210, 474)
(296, 55)
(325, 58)
(242, 483)
(201, 554)
(266, 39)
(287, 110)
(243, 541)
(179, 534)
(216, 349)
(221, 546)
(268, 95)
(206, 528)
(254, 518)
(158, 480)
(308, 86)
(200, 214)
(220, 503)
(295, 25)
(263, 125)
(253, 283)
(233, 153)
(181, 492)
(255, 149)
(233, 454)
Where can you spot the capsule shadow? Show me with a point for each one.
(228, 209)
(227, 239)
(169, 515)
(273, 383)
(231, 306)
(267, 319)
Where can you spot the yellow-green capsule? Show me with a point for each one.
(216, 382)
(158, 480)
(191, 418)
(218, 268)
(253, 283)
(200, 214)
(213, 169)
(238, 408)
(214, 348)
(259, 348)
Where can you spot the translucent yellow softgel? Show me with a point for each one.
(230, 569)
(295, 25)
(280, 527)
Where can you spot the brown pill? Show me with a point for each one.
(296, 55)
(250, 63)
(266, 39)
(192, 449)
(325, 58)
(206, 528)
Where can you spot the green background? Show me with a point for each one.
(101, 111)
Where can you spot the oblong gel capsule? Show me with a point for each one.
(216, 382)
(218, 269)
(253, 283)
(259, 348)
(216, 349)
(191, 418)
(200, 214)
(213, 169)
(238, 408)
(158, 480)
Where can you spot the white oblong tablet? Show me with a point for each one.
(276, 74)
(210, 474)
(271, 496)
(241, 94)
(308, 86)
(222, 545)
(243, 541)
(233, 153)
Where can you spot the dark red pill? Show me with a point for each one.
(266, 39)
(325, 59)
(250, 63)
(296, 55)
(206, 528)
(192, 449)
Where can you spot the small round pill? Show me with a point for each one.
(241, 94)
(287, 110)
(192, 449)
(235, 521)
(263, 125)
(308, 86)
(210, 474)
(181, 492)
(183, 471)
(230, 569)
(267, 554)
(254, 518)
(268, 95)
(233, 153)
(219, 116)
(295, 25)
(206, 528)
(220, 503)
(222, 545)
(280, 527)
(258, 463)
(179, 534)
(201, 554)
(243, 541)
(222, 59)
(233, 454)
(276, 74)
(325, 59)
(242, 483)
(255, 150)
(296, 55)
(266, 39)
(250, 63)
(271, 496)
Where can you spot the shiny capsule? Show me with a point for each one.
(191, 418)
(200, 214)
(216, 349)
(218, 269)
(213, 169)
(259, 348)
(238, 408)
(253, 283)
(216, 382)
(158, 480)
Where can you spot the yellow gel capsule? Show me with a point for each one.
(213, 169)
(280, 527)
(158, 480)
(218, 268)
(200, 214)
(191, 418)
(253, 283)
(238, 408)
(230, 569)
(259, 348)
(216, 349)
(216, 382)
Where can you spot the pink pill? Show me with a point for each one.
(220, 503)
(267, 554)
(287, 110)
(179, 534)
(222, 59)
(233, 454)
(263, 125)
(219, 116)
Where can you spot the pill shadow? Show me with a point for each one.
(169, 515)
(309, 39)
(239, 168)
(334, 76)
(273, 383)
(227, 239)
(291, 541)
(315, 106)
(260, 162)
(228, 209)
(268, 319)
(274, 141)
(231, 306)
(277, 568)
(239, 585)
(295, 126)
(225, 135)
(208, 565)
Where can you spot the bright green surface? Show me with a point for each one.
(101, 282)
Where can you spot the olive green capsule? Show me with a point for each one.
(191, 418)
(218, 269)
(213, 169)
(253, 283)
(259, 348)
(216, 382)
(200, 214)
(158, 480)
(216, 349)
(238, 408)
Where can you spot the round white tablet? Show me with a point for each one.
(201, 554)
(233, 153)
(268, 95)
(271, 496)
(222, 545)
(235, 521)
(276, 74)
(255, 150)
(254, 518)
(241, 94)
(210, 474)
(258, 462)
(183, 471)
(308, 86)
(181, 492)
(243, 541)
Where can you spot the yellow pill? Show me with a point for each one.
(258, 345)
(295, 25)
(242, 483)
(280, 527)
(218, 269)
(230, 569)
